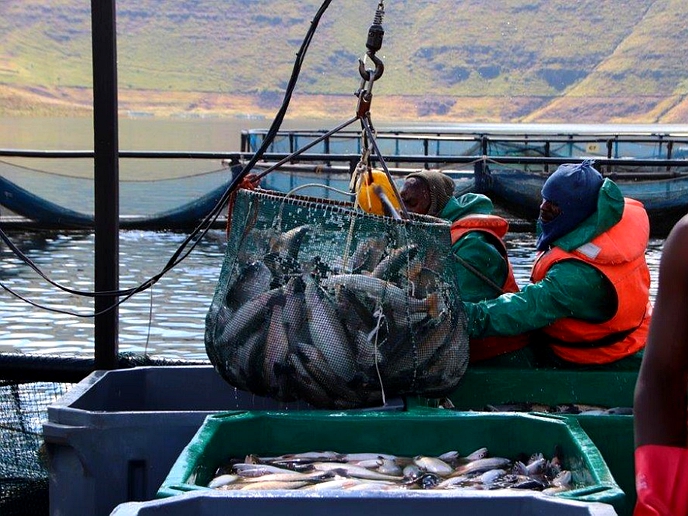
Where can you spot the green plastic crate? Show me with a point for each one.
(608, 386)
(613, 437)
(428, 432)
(481, 386)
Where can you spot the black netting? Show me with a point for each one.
(23, 470)
(321, 302)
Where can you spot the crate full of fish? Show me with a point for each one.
(368, 453)
(320, 302)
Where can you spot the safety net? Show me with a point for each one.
(322, 302)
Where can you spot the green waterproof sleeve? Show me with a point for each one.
(570, 289)
(475, 250)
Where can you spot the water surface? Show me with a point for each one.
(167, 320)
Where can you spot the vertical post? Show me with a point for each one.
(106, 179)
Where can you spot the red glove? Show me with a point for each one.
(661, 481)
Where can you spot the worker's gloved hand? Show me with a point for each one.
(661, 480)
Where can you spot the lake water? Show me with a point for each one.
(167, 320)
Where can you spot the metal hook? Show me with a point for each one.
(379, 68)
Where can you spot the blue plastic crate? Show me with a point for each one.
(115, 435)
(363, 504)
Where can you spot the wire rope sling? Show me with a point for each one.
(326, 302)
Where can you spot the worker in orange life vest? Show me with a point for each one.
(481, 263)
(589, 290)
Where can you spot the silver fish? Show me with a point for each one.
(273, 485)
(327, 332)
(480, 453)
(536, 467)
(245, 357)
(433, 465)
(372, 485)
(223, 480)
(249, 316)
(336, 483)
(454, 482)
(367, 255)
(411, 472)
(399, 307)
(257, 470)
(481, 465)
(309, 388)
(316, 364)
(304, 457)
(431, 335)
(254, 279)
(275, 356)
(356, 315)
(389, 266)
(528, 482)
(288, 477)
(563, 479)
(353, 471)
(368, 356)
(349, 457)
(389, 467)
(447, 365)
(290, 241)
(294, 313)
(422, 280)
(490, 476)
(449, 456)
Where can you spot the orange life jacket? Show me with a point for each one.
(495, 228)
(619, 254)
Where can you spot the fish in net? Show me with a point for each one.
(321, 302)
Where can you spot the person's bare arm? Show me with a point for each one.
(660, 394)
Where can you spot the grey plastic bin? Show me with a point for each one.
(412, 503)
(115, 435)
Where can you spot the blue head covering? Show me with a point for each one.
(573, 187)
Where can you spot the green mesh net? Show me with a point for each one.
(320, 302)
(23, 467)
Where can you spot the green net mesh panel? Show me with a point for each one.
(320, 302)
(23, 467)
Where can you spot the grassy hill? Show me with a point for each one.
(475, 60)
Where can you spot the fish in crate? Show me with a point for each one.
(321, 302)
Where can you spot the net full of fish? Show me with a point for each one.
(328, 470)
(320, 302)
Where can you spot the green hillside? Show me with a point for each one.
(497, 60)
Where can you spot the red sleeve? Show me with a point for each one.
(661, 480)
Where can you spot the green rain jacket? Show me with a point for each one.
(570, 289)
(475, 248)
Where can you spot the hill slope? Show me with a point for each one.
(477, 60)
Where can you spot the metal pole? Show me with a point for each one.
(106, 179)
